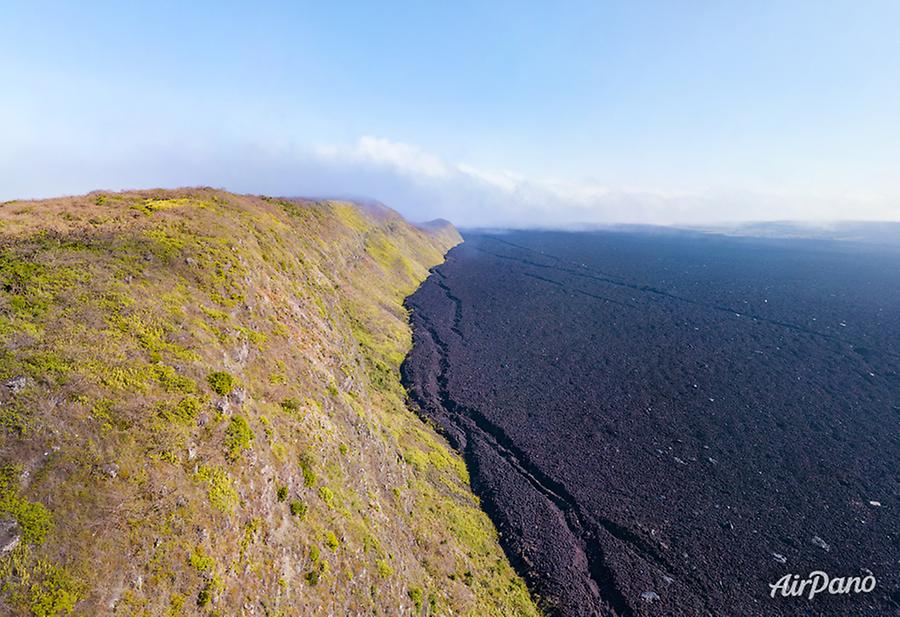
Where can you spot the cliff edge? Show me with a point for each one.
(201, 413)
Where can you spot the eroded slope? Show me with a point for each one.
(201, 413)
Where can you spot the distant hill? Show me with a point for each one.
(201, 413)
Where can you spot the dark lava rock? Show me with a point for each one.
(667, 424)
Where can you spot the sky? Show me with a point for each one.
(485, 113)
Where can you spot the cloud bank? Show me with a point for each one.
(419, 184)
(416, 180)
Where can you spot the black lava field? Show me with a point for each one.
(667, 423)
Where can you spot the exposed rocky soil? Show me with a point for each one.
(667, 424)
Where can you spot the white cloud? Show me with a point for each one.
(420, 184)
(505, 180)
(400, 157)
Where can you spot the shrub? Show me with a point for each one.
(54, 593)
(188, 408)
(200, 561)
(282, 493)
(176, 603)
(238, 437)
(331, 540)
(33, 518)
(309, 476)
(327, 496)
(222, 383)
(184, 411)
(171, 381)
(220, 491)
(290, 405)
(319, 569)
(417, 596)
(298, 508)
(383, 568)
(204, 596)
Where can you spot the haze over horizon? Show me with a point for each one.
(500, 115)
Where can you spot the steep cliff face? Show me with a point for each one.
(201, 413)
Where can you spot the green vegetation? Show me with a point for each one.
(121, 309)
(290, 405)
(319, 569)
(309, 476)
(200, 561)
(184, 411)
(171, 381)
(384, 569)
(331, 540)
(417, 596)
(222, 383)
(204, 596)
(176, 604)
(37, 586)
(327, 495)
(238, 437)
(220, 491)
(31, 287)
(312, 577)
(33, 519)
(298, 508)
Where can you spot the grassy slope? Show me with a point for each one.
(212, 420)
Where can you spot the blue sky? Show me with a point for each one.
(483, 112)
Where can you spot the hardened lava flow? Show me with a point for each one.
(667, 424)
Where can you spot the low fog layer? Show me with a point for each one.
(419, 184)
